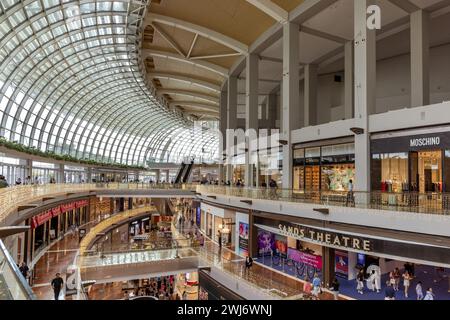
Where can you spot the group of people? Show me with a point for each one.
(28, 181)
(314, 287)
(393, 283)
(162, 288)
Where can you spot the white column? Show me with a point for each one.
(60, 174)
(310, 95)
(290, 96)
(365, 92)
(167, 176)
(272, 105)
(231, 121)
(420, 52)
(223, 128)
(251, 113)
(348, 106)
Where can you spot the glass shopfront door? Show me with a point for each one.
(426, 171)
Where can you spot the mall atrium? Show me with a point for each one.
(225, 150)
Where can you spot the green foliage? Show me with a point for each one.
(14, 145)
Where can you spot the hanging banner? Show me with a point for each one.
(243, 239)
(42, 218)
(305, 258)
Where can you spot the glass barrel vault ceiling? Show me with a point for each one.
(71, 83)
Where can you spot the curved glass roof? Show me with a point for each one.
(72, 81)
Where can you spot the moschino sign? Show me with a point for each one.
(325, 237)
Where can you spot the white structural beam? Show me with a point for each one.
(168, 38)
(420, 53)
(251, 115)
(219, 55)
(271, 9)
(323, 35)
(192, 46)
(195, 105)
(200, 30)
(365, 91)
(405, 5)
(186, 79)
(198, 63)
(310, 106)
(290, 98)
(189, 93)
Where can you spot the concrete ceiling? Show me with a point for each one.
(190, 47)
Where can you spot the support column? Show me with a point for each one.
(223, 129)
(29, 170)
(310, 95)
(290, 114)
(348, 105)
(328, 265)
(420, 53)
(231, 123)
(89, 175)
(158, 175)
(60, 175)
(272, 110)
(251, 115)
(365, 94)
(167, 176)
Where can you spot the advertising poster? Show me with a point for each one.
(341, 267)
(281, 245)
(243, 239)
(198, 216)
(306, 258)
(266, 242)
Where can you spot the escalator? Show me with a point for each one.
(180, 173)
(188, 172)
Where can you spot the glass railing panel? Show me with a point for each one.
(13, 285)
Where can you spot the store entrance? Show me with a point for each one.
(426, 171)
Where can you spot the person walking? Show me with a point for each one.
(429, 295)
(316, 283)
(406, 282)
(397, 276)
(24, 270)
(360, 281)
(350, 199)
(220, 240)
(184, 296)
(248, 263)
(335, 288)
(57, 284)
(419, 291)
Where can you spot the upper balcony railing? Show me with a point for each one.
(12, 197)
(429, 203)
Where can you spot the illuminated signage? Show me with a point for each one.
(53, 212)
(325, 237)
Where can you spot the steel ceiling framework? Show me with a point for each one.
(72, 81)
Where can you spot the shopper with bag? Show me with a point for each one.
(317, 285)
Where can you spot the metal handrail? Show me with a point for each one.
(23, 286)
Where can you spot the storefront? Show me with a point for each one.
(302, 250)
(416, 160)
(140, 226)
(326, 168)
(51, 224)
(218, 221)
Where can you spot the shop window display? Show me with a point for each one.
(394, 172)
(337, 177)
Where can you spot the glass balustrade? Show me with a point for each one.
(13, 285)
